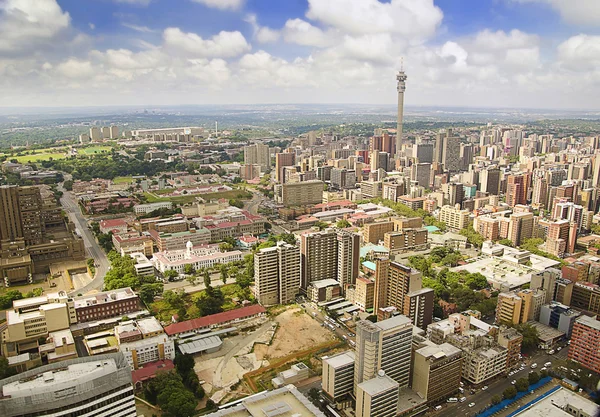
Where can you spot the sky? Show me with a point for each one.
(471, 53)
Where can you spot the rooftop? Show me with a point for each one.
(557, 403)
(104, 297)
(324, 283)
(214, 319)
(589, 321)
(377, 385)
(341, 359)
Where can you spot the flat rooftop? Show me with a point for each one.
(556, 404)
(341, 359)
(378, 385)
(104, 297)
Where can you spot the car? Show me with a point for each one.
(351, 334)
(461, 390)
(558, 348)
(484, 388)
(452, 400)
(463, 399)
(569, 342)
(533, 365)
(551, 352)
(544, 369)
(462, 384)
(513, 382)
(547, 364)
(471, 405)
(438, 407)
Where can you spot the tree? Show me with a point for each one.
(543, 373)
(171, 274)
(472, 236)
(342, 224)
(184, 363)
(223, 271)
(509, 393)
(476, 281)
(522, 384)
(531, 337)
(68, 185)
(506, 242)
(8, 297)
(5, 370)
(210, 301)
(320, 225)
(496, 399)
(533, 378)
(174, 299)
(206, 279)
(149, 291)
(313, 395)
(188, 269)
(225, 247)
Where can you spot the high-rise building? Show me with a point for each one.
(299, 193)
(438, 151)
(455, 218)
(490, 181)
(451, 153)
(423, 152)
(283, 159)
(318, 255)
(393, 282)
(342, 178)
(418, 307)
(105, 132)
(375, 232)
(95, 133)
(401, 78)
(585, 343)
(517, 186)
(96, 385)
(385, 345)
(338, 375)
(546, 280)
(466, 155)
(436, 371)
(277, 274)
(348, 258)
(511, 339)
(377, 397)
(258, 154)
(519, 307)
(421, 172)
(520, 227)
(454, 193)
(114, 132)
(558, 237)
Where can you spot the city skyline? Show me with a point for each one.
(492, 53)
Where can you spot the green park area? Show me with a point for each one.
(94, 150)
(123, 180)
(40, 156)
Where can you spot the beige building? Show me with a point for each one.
(520, 227)
(318, 256)
(377, 397)
(299, 193)
(393, 281)
(482, 357)
(520, 306)
(375, 232)
(362, 294)
(337, 379)
(512, 340)
(406, 240)
(455, 218)
(437, 371)
(277, 274)
(258, 154)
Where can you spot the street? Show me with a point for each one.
(92, 248)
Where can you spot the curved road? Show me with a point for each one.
(70, 206)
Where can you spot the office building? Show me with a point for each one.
(418, 307)
(517, 188)
(96, 385)
(385, 345)
(546, 280)
(490, 181)
(423, 152)
(453, 193)
(105, 305)
(519, 307)
(559, 316)
(299, 193)
(377, 397)
(337, 379)
(437, 371)
(585, 343)
(348, 258)
(342, 178)
(277, 274)
(455, 218)
(371, 189)
(284, 159)
(393, 282)
(451, 153)
(421, 173)
(557, 239)
(258, 154)
(318, 256)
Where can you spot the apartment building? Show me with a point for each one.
(510, 339)
(96, 385)
(437, 371)
(392, 283)
(585, 296)
(362, 293)
(299, 193)
(337, 379)
(418, 307)
(132, 242)
(585, 343)
(385, 345)
(406, 240)
(520, 306)
(377, 397)
(277, 274)
(348, 258)
(375, 232)
(318, 256)
(455, 218)
(483, 358)
(258, 154)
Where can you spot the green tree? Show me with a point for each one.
(496, 399)
(188, 269)
(5, 370)
(148, 292)
(321, 225)
(210, 301)
(225, 247)
(509, 393)
(184, 363)
(171, 274)
(68, 185)
(206, 278)
(522, 384)
(8, 297)
(472, 236)
(342, 224)
(476, 281)
(531, 337)
(289, 238)
(506, 242)
(174, 299)
(533, 378)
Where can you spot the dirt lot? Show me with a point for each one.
(296, 331)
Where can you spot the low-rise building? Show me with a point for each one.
(150, 207)
(483, 358)
(511, 339)
(338, 375)
(437, 371)
(204, 256)
(323, 290)
(377, 397)
(106, 304)
(132, 242)
(296, 373)
(113, 226)
(178, 241)
(559, 316)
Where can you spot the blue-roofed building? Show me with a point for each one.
(369, 247)
(432, 229)
(369, 265)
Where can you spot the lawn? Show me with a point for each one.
(39, 157)
(92, 150)
(122, 180)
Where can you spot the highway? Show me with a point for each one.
(92, 248)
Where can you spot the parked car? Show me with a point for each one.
(452, 400)
(438, 407)
(471, 405)
(551, 352)
(484, 388)
(463, 399)
(513, 382)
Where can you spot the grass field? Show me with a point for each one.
(92, 150)
(39, 157)
(123, 180)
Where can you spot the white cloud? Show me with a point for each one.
(223, 45)
(75, 68)
(25, 24)
(580, 53)
(410, 18)
(577, 12)
(92, 26)
(303, 33)
(262, 34)
(515, 39)
(222, 4)
(137, 28)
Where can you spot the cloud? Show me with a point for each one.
(223, 45)
(576, 12)
(75, 68)
(92, 26)
(222, 4)
(135, 2)
(262, 34)
(303, 33)
(411, 18)
(580, 53)
(137, 28)
(26, 24)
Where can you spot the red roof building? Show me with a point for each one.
(150, 370)
(216, 320)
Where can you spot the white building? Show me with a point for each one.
(143, 266)
(197, 256)
(147, 350)
(94, 385)
(150, 207)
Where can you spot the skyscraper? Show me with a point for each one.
(385, 345)
(277, 274)
(393, 282)
(283, 159)
(516, 189)
(418, 307)
(520, 227)
(318, 256)
(451, 153)
(421, 172)
(490, 181)
(348, 258)
(258, 154)
(401, 78)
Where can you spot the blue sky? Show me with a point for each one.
(477, 53)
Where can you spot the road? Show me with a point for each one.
(92, 248)
(484, 398)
